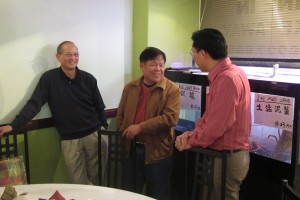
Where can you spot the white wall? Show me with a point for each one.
(31, 30)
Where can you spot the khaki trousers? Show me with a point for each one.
(81, 158)
(236, 170)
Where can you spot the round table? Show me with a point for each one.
(75, 192)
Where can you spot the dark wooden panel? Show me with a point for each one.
(48, 122)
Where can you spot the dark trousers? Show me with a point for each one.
(154, 179)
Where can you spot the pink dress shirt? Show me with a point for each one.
(226, 123)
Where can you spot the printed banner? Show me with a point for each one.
(275, 111)
(190, 96)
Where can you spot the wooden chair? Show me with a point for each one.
(204, 172)
(9, 148)
(110, 158)
(288, 192)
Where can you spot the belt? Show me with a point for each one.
(232, 150)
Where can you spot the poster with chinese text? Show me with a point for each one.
(190, 96)
(275, 111)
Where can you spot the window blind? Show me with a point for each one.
(256, 28)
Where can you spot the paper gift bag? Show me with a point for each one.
(12, 171)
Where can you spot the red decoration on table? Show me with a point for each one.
(57, 196)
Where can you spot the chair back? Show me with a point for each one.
(204, 172)
(8, 146)
(111, 158)
(288, 192)
(12, 167)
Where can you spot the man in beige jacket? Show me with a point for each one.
(148, 110)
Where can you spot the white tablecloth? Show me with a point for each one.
(76, 192)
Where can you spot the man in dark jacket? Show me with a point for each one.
(77, 109)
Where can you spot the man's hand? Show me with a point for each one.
(5, 129)
(181, 142)
(132, 131)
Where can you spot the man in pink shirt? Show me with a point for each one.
(226, 123)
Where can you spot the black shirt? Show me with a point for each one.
(76, 104)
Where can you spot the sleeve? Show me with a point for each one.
(33, 105)
(99, 105)
(121, 108)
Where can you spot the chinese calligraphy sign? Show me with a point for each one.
(275, 111)
(190, 96)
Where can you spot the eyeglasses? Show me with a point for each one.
(192, 53)
(69, 55)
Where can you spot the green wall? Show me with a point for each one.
(140, 32)
(46, 161)
(165, 24)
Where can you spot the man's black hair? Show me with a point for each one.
(151, 53)
(212, 41)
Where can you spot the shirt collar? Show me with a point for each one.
(162, 83)
(222, 65)
(64, 76)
